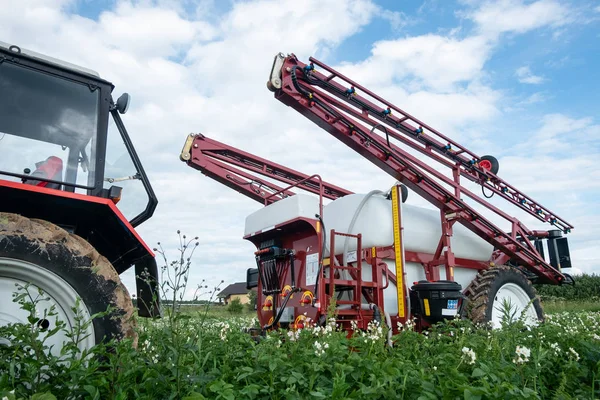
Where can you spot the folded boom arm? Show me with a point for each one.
(331, 101)
(223, 163)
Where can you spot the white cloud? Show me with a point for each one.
(205, 72)
(535, 98)
(397, 19)
(526, 76)
(497, 17)
(145, 30)
(436, 61)
(218, 89)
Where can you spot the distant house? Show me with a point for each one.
(234, 291)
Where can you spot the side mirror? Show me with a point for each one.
(251, 278)
(123, 103)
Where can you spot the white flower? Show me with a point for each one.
(470, 354)
(319, 349)
(574, 353)
(293, 335)
(522, 355)
(224, 329)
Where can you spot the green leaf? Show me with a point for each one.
(92, 390)
(43, 396)
(317, 394)
(470, 396)
(194, 396)
(477, 372)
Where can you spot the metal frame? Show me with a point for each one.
(339, 110)
(152, 200)
(221, 162)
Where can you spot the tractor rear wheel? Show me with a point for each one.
(66, 268)
(494, 286)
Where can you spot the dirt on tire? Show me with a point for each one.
(482, 290)
(76, 261)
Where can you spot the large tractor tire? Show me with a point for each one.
(492, 286)
(65, 267)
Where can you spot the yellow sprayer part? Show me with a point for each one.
(398, 248)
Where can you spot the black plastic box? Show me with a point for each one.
(435, 301)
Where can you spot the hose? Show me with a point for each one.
(354, 218)
(388, 320)
(377, 318)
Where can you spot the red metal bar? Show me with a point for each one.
(224, 164)
(424, 142)
(298, 184)
(331, 265)
(299, 91)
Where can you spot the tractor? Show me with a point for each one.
(67, 220)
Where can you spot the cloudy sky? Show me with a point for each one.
(516, 79)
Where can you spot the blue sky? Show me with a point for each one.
(514, 78)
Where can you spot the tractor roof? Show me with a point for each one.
(51, 60)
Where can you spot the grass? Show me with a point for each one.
(561, 305)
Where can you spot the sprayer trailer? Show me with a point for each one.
(379, 258)
(61, 226)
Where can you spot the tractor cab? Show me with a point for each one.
(66, 159)
(60, 129)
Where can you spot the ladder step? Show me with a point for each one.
(342, 282)
(346, 268)
(347, 312)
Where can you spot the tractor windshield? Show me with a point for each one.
(48, 126)
(120, 170)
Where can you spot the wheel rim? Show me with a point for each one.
(518, 300)
(485, 164)
(58, 292)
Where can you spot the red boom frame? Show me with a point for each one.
(219, 161)
(339, 110)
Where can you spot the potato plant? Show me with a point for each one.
(196, 355)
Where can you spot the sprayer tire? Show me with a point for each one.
(489, 284)
(76, 265)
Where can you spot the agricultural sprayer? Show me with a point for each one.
(372, 254)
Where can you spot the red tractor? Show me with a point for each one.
(63, 224)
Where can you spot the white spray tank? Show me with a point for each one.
(371, 216)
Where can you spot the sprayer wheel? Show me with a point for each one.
(65, 267)
(492, 286)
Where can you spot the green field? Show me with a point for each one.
(202, 354)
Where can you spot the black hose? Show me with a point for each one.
(377, 314)
(343, 120)
(387, 136)
(485, 195)
(280, 313)
(351, 126)
(333, 88)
